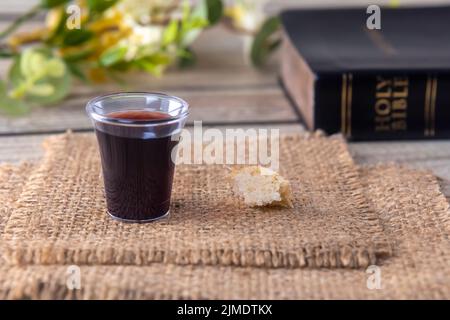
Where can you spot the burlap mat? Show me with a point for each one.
(12, 180)
(60, 217)
(413, 211)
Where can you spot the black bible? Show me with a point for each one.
(369, 84)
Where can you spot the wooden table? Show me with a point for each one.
(223, 91)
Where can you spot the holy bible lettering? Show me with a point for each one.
(391, 103)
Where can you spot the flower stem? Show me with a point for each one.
(5, 52)
(13, 26)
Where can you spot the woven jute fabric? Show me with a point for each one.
(415, 214)
(60, 217)
(12, 180)
(411, 207)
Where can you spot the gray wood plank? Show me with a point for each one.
(210, 107)
(28, 148)
(425, 155)
(430, 155)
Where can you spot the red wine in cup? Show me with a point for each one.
(137, 172)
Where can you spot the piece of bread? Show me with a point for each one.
(260, 186)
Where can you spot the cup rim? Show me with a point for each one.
(136, 123)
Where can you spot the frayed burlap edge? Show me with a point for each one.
(341, 257)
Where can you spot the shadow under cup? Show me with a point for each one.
(137, 134)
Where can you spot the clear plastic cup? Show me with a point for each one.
(136, 133)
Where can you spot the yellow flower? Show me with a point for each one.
(18, 39)
(146, 11)
(142, 41)
(246, 15)
(54, 16)
(234, 12)
(109, 29)
(97, 75)
(394, 3)
(110, 20)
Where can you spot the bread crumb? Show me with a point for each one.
(260, 186)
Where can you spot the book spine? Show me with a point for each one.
(384, 106)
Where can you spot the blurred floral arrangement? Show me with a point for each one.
(96, 40)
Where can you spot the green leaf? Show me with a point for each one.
(170, 33)
(41, 90)
(15, 75)
(149, 67)
(79, 55)
(98, 6)
(5, 51)
(31, 62)
(192, 23)
(159, 58)
(190, 30)
(186, 10)
(59, 30)
(112, 56)
(77, 72)
(10, 106)
(187, 58)
(61, 89)
(6, 54)
(197, 23)
(55, 68)
(47, 4)
(28, 63)
(76, 37)
(200, 10)
(60, 84)
(215, 11)
(122, 66)
(189, 37)
(264, 44)
(154, 64)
